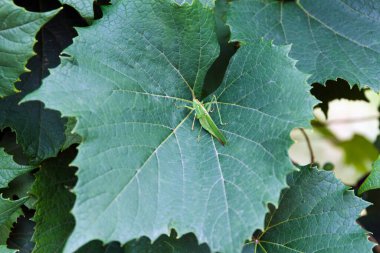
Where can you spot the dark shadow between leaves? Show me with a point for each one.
(336, 89)
(187, 243)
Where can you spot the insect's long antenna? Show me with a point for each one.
(191, 89)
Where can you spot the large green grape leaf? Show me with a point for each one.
(330, 38)
(54, 223)
(18, 28)
(373, 180)
(9, 169)
(316, 214)
(142, 170)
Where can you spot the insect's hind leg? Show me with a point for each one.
(192, 126)
(208, 108)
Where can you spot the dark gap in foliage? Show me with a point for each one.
(53, 37)
(215, 74)
(10, 145)
(38, 5)
(98, 14)
(371, 221)
(186, 243)
(335, 90)
(287, 1)
(256, 235)
(19, 187)
(21, 234)
(98, 247)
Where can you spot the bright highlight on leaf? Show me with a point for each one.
(125, 96)
(330, 38)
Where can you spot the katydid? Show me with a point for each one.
(202, 114)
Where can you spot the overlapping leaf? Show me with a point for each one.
(317, 214)
(9, 169)
(8, 207)
(5, 227)
(17, 31)
(53, 220)
(142, 168)
(40, 132)
(373, 180)
(330, 38)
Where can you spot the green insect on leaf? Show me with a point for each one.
(202, 114)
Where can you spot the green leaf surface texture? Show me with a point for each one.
(330, 38)
(18, 29)
(8, 207)
(54, 223)
(6, 227)
(314, 215)
(209, 3)
(372, 182)
(142, 169)
(9, 169)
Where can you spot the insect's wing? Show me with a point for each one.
(209, 125)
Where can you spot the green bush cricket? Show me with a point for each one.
(202, 114)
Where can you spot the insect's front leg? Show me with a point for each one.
(184, 106)
(192, 127)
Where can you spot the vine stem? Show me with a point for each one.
(312, 157)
